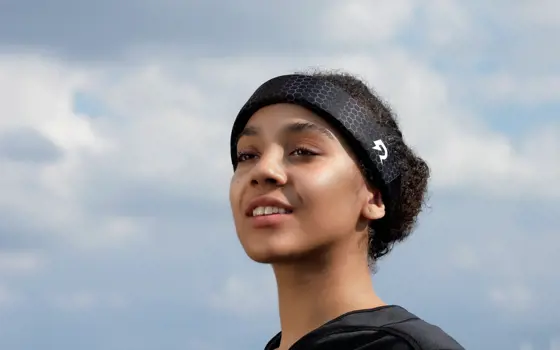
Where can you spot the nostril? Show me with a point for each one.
(271, 181)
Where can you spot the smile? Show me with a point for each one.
(262, 211)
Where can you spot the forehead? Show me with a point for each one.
(274, 117)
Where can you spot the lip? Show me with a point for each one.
(265, 201)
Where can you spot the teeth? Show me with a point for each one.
(258, 211)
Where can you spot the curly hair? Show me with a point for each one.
(400, 219)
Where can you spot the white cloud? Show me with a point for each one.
(533, 90)
(461, 149)
(554, 345)
(160, 131)
(14, 262)
(246, 296)
(544, 13)
(155, 133)
(513, 298)
(9, 297)
(446, 22)
(463, 152)
(511, 267)
(122, 228)
(87, 300)
(465, 257)
(526, 346)
(38, 94)
(167, 129)
(366, 22)
(76, 301)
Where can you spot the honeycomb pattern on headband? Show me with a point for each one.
(337, 107)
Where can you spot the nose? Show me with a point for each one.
(269, 171)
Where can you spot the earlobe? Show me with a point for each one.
(375, 208)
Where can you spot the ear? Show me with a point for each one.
(374, 208)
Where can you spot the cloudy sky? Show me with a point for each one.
(115, 229)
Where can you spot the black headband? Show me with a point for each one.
(371, 142)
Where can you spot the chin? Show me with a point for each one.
(277, 255)
(276, 246)
(267, 256)
(275, 259)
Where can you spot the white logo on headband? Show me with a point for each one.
(380, 146)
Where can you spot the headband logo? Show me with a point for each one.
(380, 146)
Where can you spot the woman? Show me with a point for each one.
(323, 186)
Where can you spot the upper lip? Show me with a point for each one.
(264, 201)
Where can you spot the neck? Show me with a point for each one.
(313, 293)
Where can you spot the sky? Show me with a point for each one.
(115, 227)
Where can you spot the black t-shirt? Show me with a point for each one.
(383, 328)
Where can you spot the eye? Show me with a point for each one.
(244, 156)
(302, 152)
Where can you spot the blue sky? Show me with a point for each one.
(115, 229)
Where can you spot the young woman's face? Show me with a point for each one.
(296, 190)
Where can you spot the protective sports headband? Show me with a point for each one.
(371, 142)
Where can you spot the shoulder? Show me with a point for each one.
(393, 327)
(385, 328)
(420, 334)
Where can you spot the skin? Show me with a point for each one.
(319, 251)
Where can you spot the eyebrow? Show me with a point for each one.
(292, 128)
(305, 126)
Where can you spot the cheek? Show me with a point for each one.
(234, 192)
(332, 191)
(331, 178)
